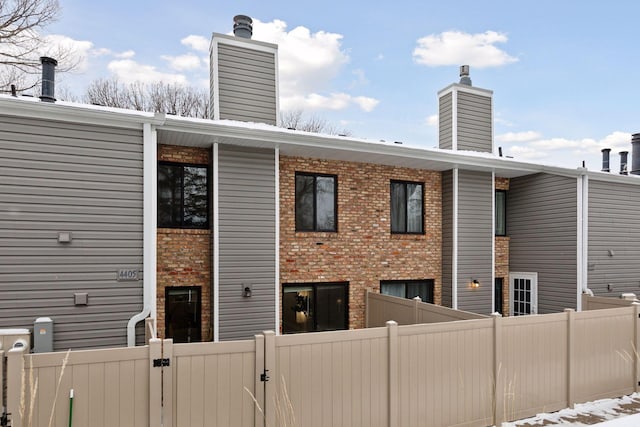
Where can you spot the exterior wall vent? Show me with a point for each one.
(242, 26)
(635, 154)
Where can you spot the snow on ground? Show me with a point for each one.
(620, 412)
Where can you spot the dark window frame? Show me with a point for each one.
(182, 225)
(504, 209)
(498, 295)
(315, 228)
(405, 183)
(430, 283)
(314, 286)
(167, 291)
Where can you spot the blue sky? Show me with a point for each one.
(563, 72)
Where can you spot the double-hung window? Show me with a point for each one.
(501, 213)
(407, 207)
(183, 195)
(316, 202)
(409, 289)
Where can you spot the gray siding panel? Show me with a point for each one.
(247, 84)
(84, 179)
(542, 225)
(475, 240)
(247, 209)
(614, 225)
(447, 237)
(445, 122)
(474, 122)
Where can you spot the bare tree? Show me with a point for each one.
(296, 119)
(161, 97)
(21, 43)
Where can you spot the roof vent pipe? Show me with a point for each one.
(242, 26)
(605, 160)
(623, 162)
(48, 79)
(635, 154)
(464, 75)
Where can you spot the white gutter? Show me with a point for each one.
(454, 256)
(216, 248)
(150, 217)
(277, 202)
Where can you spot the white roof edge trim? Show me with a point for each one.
(79, 113)
(242, 42)
(464, 88)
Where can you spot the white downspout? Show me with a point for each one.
(277, 202)
(583, 239)
(216, 247)
(150, 218)
(454, 258)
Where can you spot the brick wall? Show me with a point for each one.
(363, 251)
(502, 254)
(184, 255)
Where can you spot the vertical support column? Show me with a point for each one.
(270, 386)
(636, 343)
(258, 389)
(1, 379)
(155, 383)
(570, 354)
(167, 383)
(499, 385)
(15, 368)
(392, 328)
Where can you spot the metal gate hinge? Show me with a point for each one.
(157, 363)
(4, 420)
(263, 376)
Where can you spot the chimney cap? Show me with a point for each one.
(464, 75)
(48, 60)
(242, 26)
(606, 150)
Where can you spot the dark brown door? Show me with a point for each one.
(182, 314)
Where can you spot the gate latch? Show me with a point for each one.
(158, 363)
(264, 377)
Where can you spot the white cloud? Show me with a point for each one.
(183, 62)
(432, 120)
(67, 51)
(129, 71)
(127, 54)
(526, 153)
(457, 48)
(198, 43)
(518, 136)
(334, 101)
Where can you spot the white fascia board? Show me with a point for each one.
(614, 177)
(78, 113)
(465, 88)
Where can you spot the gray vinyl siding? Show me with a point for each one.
(247, 84)
(474, 122)
(445, 119)
(247, 246)
(542, 226)
(614, 225)
(447, 237)
(87, 180)
(475, 240)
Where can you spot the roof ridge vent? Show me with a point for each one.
(242, 26)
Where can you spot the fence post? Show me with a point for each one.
(1, 378)
(366, 309)
(155, 383)
(270, 388)
(167, 383)
(416, 308)
(570, 354)
(498, 376)
(392, 329)
(258, 389)
(15, 369)
(636, 351)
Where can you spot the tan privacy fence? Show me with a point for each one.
(463, 373)
(381, 308)
(599, 303)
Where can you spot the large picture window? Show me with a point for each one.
(501, 213)
(183, 196)
(316, 197)
(409, 289)
(314, 307)
(407, 214)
